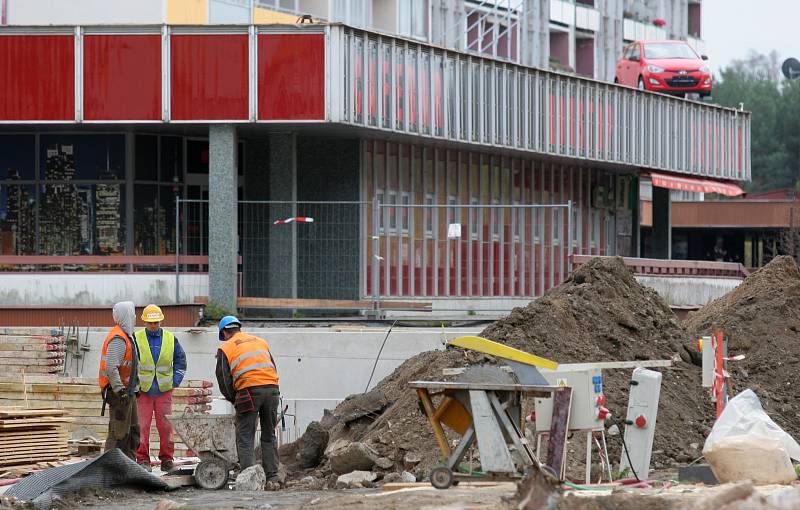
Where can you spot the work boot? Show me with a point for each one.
(272, 485)
(146, 466)
(167, 466)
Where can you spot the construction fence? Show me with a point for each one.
(372, 250)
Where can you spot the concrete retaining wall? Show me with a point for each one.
(694, 291)
(98, 288)
(318, 367)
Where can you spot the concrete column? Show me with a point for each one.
(223, 241)
(662, 223)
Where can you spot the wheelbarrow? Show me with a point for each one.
(212, 437)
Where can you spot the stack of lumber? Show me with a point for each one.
(32, 435)
(82, 399)
(32, 354)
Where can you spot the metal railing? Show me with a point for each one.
(468, 250)
(660, 267)
(395, 85)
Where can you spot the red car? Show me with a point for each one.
(671, 67)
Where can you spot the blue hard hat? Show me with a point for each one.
(227, 322)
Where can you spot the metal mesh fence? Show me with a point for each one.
(349, 250)
(289, 249)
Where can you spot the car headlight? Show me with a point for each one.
(705, 69)
(655, 69)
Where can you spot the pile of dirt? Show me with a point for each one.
(601, 313)
(761, 319)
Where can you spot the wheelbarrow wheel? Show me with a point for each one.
(212, 474)
(442, 477)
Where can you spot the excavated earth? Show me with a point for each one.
(761, 319)
(601, 313)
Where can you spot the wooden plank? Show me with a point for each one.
(32, 340)
(495, 457)
(524, 388)
(347, 304)
(15, 412)
(396, 486)
(37, 423)
(29, 355)
(33, 348)
(603, 365)
(559, 428)
(430, 412)
(32, 363)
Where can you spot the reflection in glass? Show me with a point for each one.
(17, 218)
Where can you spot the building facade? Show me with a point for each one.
(429, 173)
(585, 37)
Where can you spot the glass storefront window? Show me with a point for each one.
(84, 219)
(146, 157)
(17, 219)
(81, 157)
(17, 161)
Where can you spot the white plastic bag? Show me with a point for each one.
(745, 444)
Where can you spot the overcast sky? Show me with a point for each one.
(732, 27)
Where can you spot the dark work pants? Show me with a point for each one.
(123, 424)
(266, 401)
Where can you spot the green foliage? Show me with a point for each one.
(756, 83)
(797, 470)
(619, 475)
(214, 312)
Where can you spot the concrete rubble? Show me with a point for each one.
(350, 456)
(403, 477)
(251, 479)
(355, 479)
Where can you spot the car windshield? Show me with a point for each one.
(668, 50)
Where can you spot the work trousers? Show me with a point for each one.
(161, 406)
(123, 424)
(266, 401)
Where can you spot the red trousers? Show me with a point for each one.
(161, 406)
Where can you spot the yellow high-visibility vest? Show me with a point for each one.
(162, 370)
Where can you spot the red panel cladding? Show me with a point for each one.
(122, 77)
(37, 77)
(291, 77)
(209, 77)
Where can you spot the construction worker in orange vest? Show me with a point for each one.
(248, 378)
(119, 381)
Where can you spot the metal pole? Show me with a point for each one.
(376, 259)
(569, 236)
(177, 250)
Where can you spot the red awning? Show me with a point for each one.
(695, 184)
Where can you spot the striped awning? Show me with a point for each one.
(694, 184)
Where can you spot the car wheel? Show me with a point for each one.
(641, 84)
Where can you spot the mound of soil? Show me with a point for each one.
(601, 313)
(761, 319)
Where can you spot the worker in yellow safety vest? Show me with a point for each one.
(119, 382)
(248, 378)
(162, 365)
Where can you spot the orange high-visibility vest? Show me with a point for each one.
(127, 360)
(250, 361)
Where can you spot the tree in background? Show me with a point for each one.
(757, 83)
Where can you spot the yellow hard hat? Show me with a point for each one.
(152, 313)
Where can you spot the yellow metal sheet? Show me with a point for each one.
(487, 346)
(456, 417)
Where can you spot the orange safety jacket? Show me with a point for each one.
(250, 361)
(127, 360)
